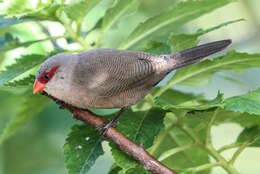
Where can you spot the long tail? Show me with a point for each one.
(198, 53)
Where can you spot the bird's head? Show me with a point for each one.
(53, 73)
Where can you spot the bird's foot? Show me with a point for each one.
(103, 128)
(60, 103)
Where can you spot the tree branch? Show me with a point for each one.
(122, 142)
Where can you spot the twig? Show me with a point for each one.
(53, 41)
(123, 143)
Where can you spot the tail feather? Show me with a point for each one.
(198, 53)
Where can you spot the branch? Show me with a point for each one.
(122, 142)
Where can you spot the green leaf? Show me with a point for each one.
(24, 82)
(24, 9)
(5, 22)
(251, 136)
(113, 14)
(181, 42)
(249, 103)
(82, 148)
(201, 73)
(9, 42)
(224, 116)
(30, 106)
(114, 169)
(173, 18)
(140, 127)
(79, 8)
(156, 47)
(179, 98)
(191, 106)
(22, 65)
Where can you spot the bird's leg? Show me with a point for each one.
(103, 128)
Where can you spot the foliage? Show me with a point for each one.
(174, 126)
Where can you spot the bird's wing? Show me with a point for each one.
(114, 72)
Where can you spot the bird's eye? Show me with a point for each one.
(46, 76)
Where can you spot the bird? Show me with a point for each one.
(111, 78)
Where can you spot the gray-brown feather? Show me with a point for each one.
(115, 78)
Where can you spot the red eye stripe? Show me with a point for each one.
(49, 74)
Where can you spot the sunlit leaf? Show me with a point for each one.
(82, 148)
(25, 9)
(173, 18)
(77, 9)
(249, 102)
(23, 64)
(113, 14)
(24, 82)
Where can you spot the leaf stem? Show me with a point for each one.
(224, 163)
(74, 34)
(27, 43)
(210, 149)
(204, 167)
(208, 130)
(190, 133)
(229, 146)
(173, 151)
(237, 153)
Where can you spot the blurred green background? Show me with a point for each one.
(37, 148)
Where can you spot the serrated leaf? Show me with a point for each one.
(225, 116)
(24, 82)
(251, 136)
(77, 9)
(82, 148)
(158, 48)
(249, 103)
(199, 105)
(180, 98)
(201, 73)
(113, 14)
(24, 9)
(22, 65)
(30, 106)
(140, 127)
(5, 22)
(181, 42)
(174, 17)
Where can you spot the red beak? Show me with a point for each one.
(38, 86)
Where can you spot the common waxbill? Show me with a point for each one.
(109, 78)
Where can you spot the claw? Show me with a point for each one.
(60, 103)
(103, 128)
